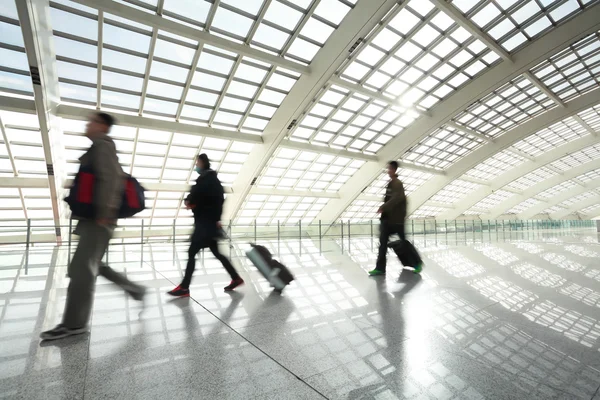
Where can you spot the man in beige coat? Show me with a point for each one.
(94, 235)
(393, 214)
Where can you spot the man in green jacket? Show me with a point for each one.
(393, 214)
(95, 234)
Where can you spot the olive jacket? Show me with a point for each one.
(393, 209)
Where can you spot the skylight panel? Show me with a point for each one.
(532, 178)
(588, 176)
(488, 203)
(270, 38)
(286, 210)
(512, 23)
(283, 15)
(551, 137)
(589, 209)
(14, 59)
(496, 165)
(578, 199)
(122, 61)
(455, 191)
(589, 154)
(333, 11)
(193, 10)
(125, 38)
(316, 31)
(249, 6)
(507, 107)
(231, 23)
(442, 148)
(573, 71)
(560, 188)
(16, 83)
(174, 52)
(427, 211)
(73, 24)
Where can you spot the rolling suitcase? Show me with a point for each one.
(406, 252)
(276, 273)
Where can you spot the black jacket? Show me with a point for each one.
(207, 198)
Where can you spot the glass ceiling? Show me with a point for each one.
(415, 57)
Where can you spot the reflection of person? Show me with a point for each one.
(206, 201)
(393, 214)
(94, 235)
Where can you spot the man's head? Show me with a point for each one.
(392, 169)
(202, 162)
(98, 125)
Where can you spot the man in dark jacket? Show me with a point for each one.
(393, 214)
(206, 200)
(95, 234)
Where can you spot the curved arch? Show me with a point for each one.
(357, 23)
(538, 188)
(575, 207)
(425, 192)
(593, 213)
(532, 54)
(515, 173)
(559, 198)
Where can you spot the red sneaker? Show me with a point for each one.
(234, 283)
(179, 292)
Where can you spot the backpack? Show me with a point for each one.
(81, 196)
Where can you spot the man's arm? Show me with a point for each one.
(397, 198)
(109, 181)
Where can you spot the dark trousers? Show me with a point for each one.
(195, 247)
(386, 230)
(85, 266)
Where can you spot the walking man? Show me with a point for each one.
(393, 214)
(206, 200)
(94, 235)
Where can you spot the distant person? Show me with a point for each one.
(393, 214)
(94, 235)
(206, 200)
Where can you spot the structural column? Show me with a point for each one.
(34, 18)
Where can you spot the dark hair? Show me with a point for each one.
(204, 158)
(107, 119)
(394, 164)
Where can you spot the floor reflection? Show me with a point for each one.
(508, 315)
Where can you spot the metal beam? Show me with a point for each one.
(531, 55)
(588, 128)
(559, 198)
(513, 174)
(17, 105)
(357, 23)
(303, 146)
(575, 208)
(34, 18)
(18, 182)
(356, 88)
(593, 213)
(80, 113)
(463, 21)
(522, 131)
(155, 21)
(540, 85)
(538, 188)
(469, 131)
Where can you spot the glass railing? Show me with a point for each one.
(29, 233)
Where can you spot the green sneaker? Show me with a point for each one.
(418, 268)
(376, 272)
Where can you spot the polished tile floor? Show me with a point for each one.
(513, 317)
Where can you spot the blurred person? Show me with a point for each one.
(393, 215)
(95, 234)
(206, 200)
